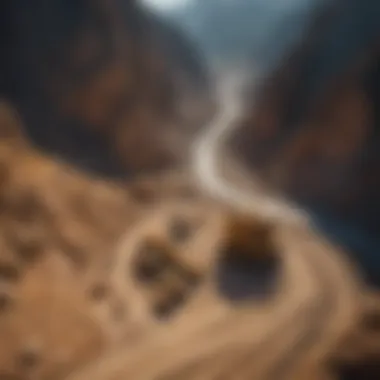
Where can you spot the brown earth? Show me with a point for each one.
(108, 281)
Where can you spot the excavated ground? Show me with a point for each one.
(156, 279)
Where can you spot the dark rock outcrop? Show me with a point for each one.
(313, 130)
(96, 81)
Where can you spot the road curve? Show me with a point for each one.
(206, 154)
(331, 271)
(214, 340)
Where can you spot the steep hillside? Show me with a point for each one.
(312, 129)
(97, 82)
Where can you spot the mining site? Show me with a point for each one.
(189, 190)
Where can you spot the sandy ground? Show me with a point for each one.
(318, 297)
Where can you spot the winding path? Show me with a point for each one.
(334, 296)
(284, 339)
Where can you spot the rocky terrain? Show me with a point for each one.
(98, 82)
(186, 270)
(100, 278)
(312, 130)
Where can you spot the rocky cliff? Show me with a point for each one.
(100, 83)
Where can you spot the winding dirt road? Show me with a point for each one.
(313, 319)
(285, 338)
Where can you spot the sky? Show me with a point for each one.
(165, 4)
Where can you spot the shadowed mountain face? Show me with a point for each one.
(94, 82)
(313, 131)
